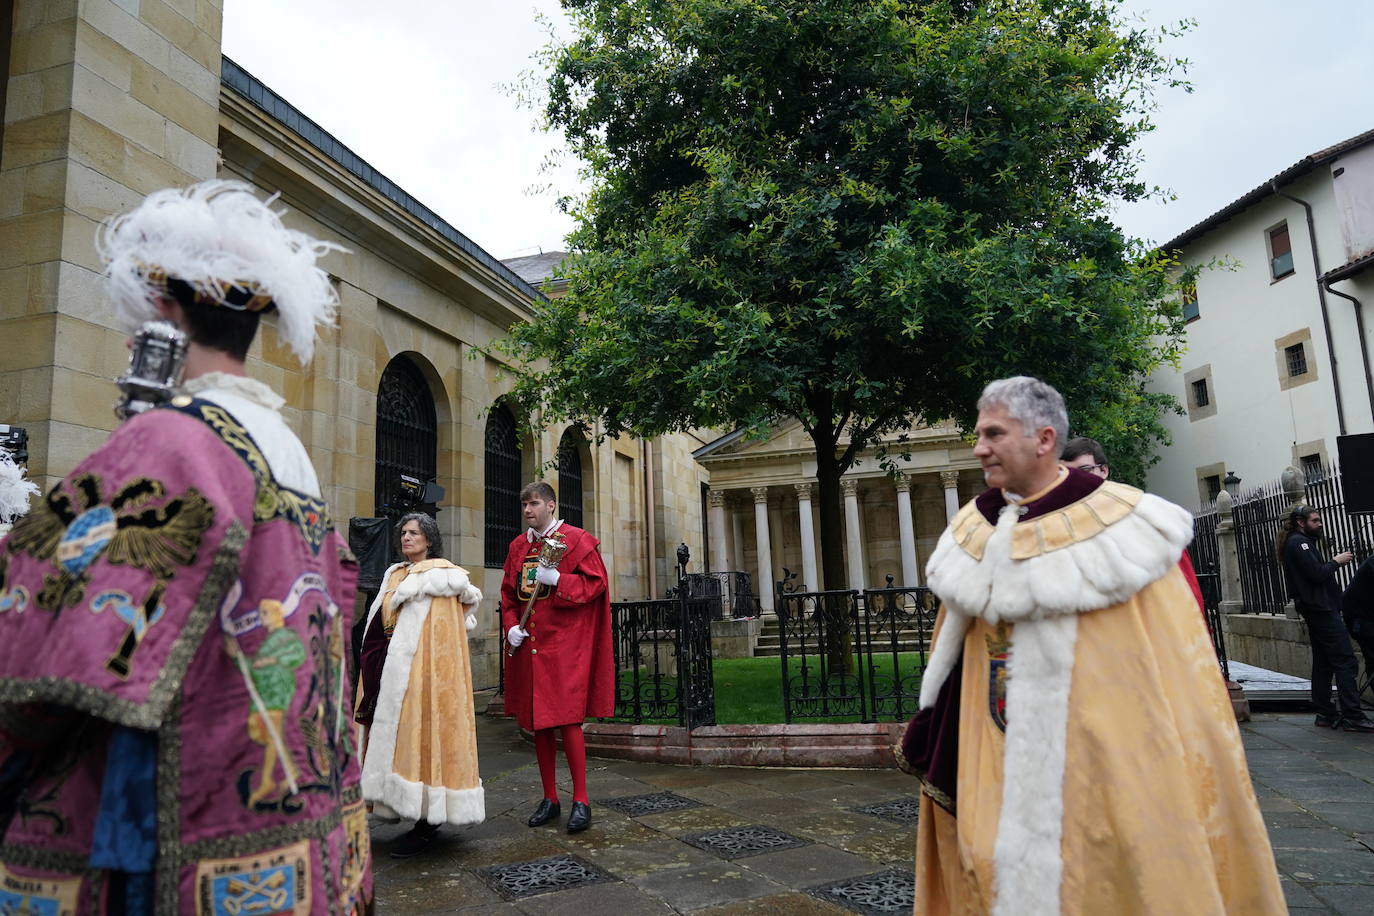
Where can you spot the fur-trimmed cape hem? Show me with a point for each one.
(433, 804)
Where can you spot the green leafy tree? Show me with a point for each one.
(851, 213)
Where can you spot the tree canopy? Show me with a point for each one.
(854, 213)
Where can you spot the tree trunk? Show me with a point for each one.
(838, 650)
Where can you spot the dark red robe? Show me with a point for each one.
(565, 672)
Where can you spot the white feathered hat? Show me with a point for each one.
(217, 244)
(15, 489)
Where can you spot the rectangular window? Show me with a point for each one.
(1312, 468)
(1280, 252)
(1200, 398)
(1296, 358)
(1213, 485)
(1190, 309)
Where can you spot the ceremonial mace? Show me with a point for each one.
(551, 552)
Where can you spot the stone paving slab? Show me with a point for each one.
(1315, 788)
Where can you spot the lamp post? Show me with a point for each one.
(1231, 483)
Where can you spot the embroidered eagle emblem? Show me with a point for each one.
(140, 526)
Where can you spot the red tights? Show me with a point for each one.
(574, 748)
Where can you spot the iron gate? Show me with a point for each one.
(821, 673)
(663, 661)
(897, 623)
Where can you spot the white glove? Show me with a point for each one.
(546, 575)
(515, 636)
(470, 621)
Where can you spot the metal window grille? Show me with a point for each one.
(1296, 357)
(1200, 396)
(1213, 485)
(1311, 468)
(570, 478)
(407, 438)
(502, 517)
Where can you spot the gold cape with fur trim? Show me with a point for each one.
(421, 755)
(1100, 768)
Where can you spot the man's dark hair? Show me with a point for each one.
(1083, 446)
(216, 326)
(538, 490)
(1290, 527)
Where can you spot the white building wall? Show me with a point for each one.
(1243, 311)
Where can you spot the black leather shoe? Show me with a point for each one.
(547, 811)
(1362, 725)
(1325, 721)
(581, 817)
(415, 841)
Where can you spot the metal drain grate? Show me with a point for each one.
(878, 894)
(738, 842)
(655, 803)
(901, 810)
(541, 876)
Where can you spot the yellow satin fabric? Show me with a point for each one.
(1159, 813)
(436, 742)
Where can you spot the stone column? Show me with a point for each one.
(853, 533)
(808, 538)
(719, 562)
(911, 576)
(737, 531)
(950, 481)
(765, 584)
(1228, 559)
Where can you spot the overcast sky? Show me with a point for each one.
(414, 87)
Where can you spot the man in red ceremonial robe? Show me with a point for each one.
(559, 666)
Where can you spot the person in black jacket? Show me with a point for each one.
(1312, 586)
(1357, 607)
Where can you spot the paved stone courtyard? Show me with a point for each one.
(670, 839)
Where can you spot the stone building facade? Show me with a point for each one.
(108, 100)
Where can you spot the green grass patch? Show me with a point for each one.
(749, 690)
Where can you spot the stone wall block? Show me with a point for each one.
(173, 101)
(82, 399)
(44, 186)
(28, 343)
(41, 139)
(129, 31)
(43, 46)
(128, 116)
(14, 295)
(31, 239)
(31, 14)
(189, 152)
(97, 196)
(104, 56)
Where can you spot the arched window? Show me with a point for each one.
(407, 437)
(570, 477)
(502, 485)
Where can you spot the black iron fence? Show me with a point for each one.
(663, 667)
(1261, 513)
(853, 655)
(1204, 554)
(732, 593)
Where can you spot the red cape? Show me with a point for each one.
(565, 672)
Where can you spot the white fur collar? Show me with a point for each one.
(1090, 555)
(437, 581)
(250, 389)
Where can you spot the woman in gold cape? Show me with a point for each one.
(415, 693)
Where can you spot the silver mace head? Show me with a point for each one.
(551, 552)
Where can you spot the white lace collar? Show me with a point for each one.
(250, 389)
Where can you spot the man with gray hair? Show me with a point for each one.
(1076, 748)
